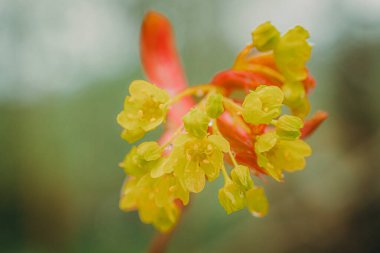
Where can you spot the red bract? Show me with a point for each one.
(312, 124)
(232, 80)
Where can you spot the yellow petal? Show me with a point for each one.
(257, 202)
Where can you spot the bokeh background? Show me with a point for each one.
(65, 66)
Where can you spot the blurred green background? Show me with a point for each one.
(65, 66)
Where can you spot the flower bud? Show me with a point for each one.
(288, 127)
(196, 123)
(265, 37)
(241, 176)
(214, 105)
(231, 197)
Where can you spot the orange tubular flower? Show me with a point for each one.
(249, 131)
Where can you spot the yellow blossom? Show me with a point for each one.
(292, 52)
(142, 159)
(194, 159)
(144, 110)
(239, 192)
(262, 105)
(275, 154)
(154, 199)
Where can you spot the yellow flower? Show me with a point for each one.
(144, 110)
(142, 159)
(276, 154)
(194, 158)
(288, 127)
(232, 197)
(262, 105)
(296, 99)
(155, 199)
(292, 52)
(239, 192)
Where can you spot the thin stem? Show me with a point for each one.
(160, 242)
(234, 106)
(232, 158)
(193, 91)
(235, 111)
(227, 178)
(170, 140)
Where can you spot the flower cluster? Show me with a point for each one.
(250, 133)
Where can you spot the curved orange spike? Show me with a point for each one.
(312, 124)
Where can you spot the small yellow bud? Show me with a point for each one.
(265, 37)
(196, 123)
(214, 105)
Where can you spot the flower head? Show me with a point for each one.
(249, 132)
(239, 192)
(140, 160)
(144, 110)
(276, 154)
(154, 199)
(262, 105)
(198, 158)
(292, 52)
